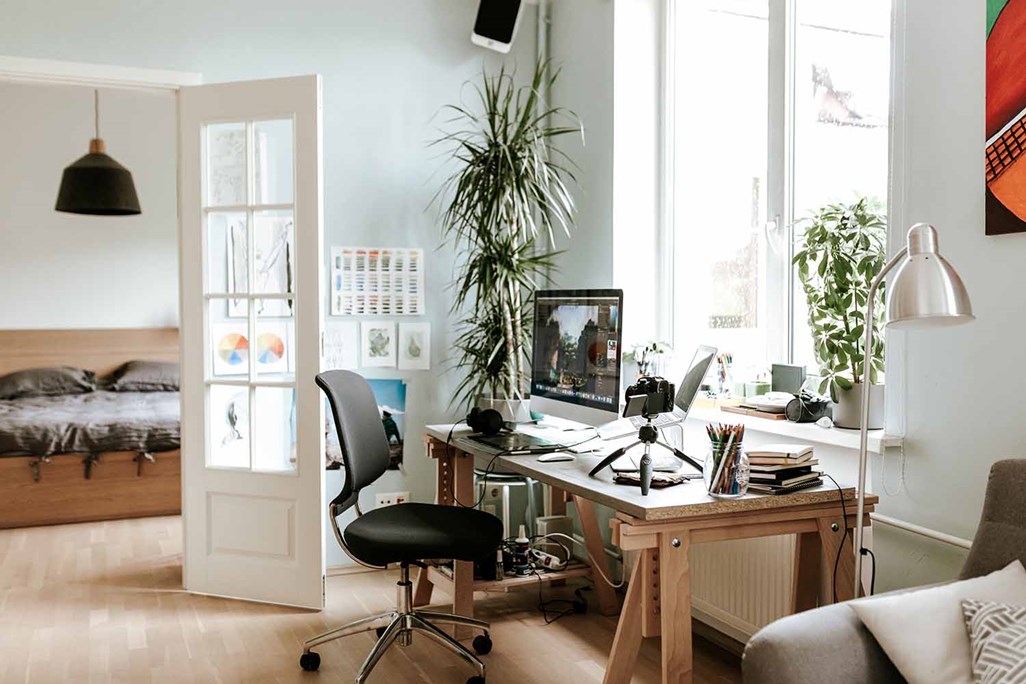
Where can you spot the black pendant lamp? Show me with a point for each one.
(96, 184)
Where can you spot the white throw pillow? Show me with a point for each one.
(923, 632)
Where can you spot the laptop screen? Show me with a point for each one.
(692, 381)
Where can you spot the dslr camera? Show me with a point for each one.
(649, 396)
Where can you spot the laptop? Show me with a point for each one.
(515, 443)
(682, 401)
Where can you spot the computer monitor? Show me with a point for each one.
(575, 369)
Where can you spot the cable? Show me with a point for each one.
(901, 472)
(594, 564)
(844, 527)
(872, 576)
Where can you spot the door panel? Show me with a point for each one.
(252, 418)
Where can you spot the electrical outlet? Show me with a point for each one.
(390, 499)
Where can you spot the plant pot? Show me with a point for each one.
(848, 407)
(512, 410)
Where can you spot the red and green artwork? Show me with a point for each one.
(1006, 117)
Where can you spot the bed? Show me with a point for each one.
(100, 455)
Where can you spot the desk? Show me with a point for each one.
(660, 528)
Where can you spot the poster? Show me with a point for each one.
(1005, 109)
(391, 398)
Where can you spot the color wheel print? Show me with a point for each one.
(233, 349)
(270, 348)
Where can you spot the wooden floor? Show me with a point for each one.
(102, 602)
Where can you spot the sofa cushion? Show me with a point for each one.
(923, 632)
(997, 634)
(1001, 535)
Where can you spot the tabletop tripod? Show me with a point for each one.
(648, 435)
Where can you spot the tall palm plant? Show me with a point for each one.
(502, 207)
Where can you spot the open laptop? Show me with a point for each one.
(687, 390)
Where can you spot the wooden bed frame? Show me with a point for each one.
(121, 484)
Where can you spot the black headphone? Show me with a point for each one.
(485, 421)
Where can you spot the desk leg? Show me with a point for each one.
(808, 555)
(463, 571)
(557, 501)
(422, 589)
(844, 578)
(675, 608)
(597, 551)
(627, 642)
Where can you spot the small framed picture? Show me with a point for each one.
(414, 346)
(377, 344)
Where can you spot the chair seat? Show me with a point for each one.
(411, 532)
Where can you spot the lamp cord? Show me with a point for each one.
(96, 112)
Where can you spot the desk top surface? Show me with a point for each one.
(681, 501)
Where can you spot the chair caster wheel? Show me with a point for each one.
(380, 631)
(310, 661)
(482, 646)
(476, 680)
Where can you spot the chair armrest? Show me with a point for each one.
(828, 644)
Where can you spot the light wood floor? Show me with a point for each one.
(102, 602)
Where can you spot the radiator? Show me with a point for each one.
(737, 587)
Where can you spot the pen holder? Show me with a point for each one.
(726, 471)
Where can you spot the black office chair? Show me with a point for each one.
(407, 534)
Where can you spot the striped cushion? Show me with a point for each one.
(997, 632)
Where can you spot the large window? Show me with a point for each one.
(776, 107)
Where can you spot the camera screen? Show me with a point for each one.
(577, 347)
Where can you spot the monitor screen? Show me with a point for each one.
(576, 355)
(692, 382)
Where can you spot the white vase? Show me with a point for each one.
(511, 410)
(848, 407)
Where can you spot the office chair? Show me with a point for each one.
(407, 534)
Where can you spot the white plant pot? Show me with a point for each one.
(511, 410)
(848, 407)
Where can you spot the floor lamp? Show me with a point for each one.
(925, 292)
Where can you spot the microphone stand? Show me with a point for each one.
(647, 435)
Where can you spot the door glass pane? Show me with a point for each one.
(275, 429)
(229, 426)
(272, 141)
(229, 341)
(842, 101)
(226, 164)
(227, 255)
(720, 166)
(275, 337)
(274, 233)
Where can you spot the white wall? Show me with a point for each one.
(70, 271)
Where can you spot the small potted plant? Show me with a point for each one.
(841, 252)
(502, 203)
(648, 356)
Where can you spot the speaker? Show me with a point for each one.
(486, 422)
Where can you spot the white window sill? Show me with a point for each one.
(803, 432)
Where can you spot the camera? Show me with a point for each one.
(649, 396)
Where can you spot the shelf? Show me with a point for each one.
(803, 432)
(438, 573)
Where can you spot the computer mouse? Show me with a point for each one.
(556, 457)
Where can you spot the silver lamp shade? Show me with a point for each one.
(926, 291)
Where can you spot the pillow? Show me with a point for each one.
(144, 376)
(997, 633)
(44, 382)
(923, 632)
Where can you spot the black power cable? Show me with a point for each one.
(840, 548)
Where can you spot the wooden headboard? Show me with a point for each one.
(97, 350)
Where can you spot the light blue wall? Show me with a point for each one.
(388, 67)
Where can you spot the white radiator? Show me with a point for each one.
(737, 587)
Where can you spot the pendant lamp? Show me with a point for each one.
(96, 184)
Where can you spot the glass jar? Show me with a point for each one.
(726, 472)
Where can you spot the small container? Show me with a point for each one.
(726, 473)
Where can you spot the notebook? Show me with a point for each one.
(775, 490)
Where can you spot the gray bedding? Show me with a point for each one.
(90, 423)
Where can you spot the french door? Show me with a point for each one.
(251, 305)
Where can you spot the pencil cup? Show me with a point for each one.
(726, 471)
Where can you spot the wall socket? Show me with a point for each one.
(390, 499)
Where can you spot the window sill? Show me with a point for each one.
(803, 432)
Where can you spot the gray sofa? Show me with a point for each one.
(830, 644)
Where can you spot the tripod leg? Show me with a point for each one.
(681, 455)
(608, 460)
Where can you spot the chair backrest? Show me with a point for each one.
(361, 435)
(1001, 536)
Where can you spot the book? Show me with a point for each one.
(775, 490)
(780, 467)
(754, 413)
(785, 481)
(781, 451)
(779, 460)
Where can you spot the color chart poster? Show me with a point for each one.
(1006, 127)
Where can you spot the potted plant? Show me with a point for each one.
(502, 205)
(842, 251)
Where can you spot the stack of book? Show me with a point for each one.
(782, 468)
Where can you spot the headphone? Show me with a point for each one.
(485, 421)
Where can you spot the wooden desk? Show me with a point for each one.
(661, 528)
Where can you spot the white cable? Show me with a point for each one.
(594, 564)
(901, 472)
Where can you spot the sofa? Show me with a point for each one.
(830, 643)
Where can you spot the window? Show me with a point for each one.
(775, 107)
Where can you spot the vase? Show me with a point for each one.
(726, 473)
(848, 407)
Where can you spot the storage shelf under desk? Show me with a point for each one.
(442, 575)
